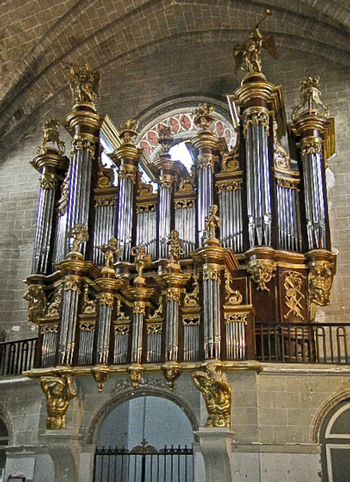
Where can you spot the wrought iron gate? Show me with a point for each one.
(144, 463)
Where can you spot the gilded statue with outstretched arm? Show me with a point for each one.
(216, 390)
(84, 84)
(110, 250)
(59, 391)
(142, 260)
(247, 56)
(175, 247)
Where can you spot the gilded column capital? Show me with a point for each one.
(49, 181)
(256, 116)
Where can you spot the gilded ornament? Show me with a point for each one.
(120, 315)
(54, 302)
(51, 134)
(110, 250)
(311, 145)
(139, 308)
(186, 184)
(63, 201)
(89, 305)
(216, 390)
(171, 371)
(256, 116)
(48, 181)
(175, 247)
(166, 181)
(84, 84)
(135, 373)
(184, 204)
(48, 328)
(212, 221)
(173, 294)
(262, 272)
(101, 374)
(310, 99)
(247, 56)
(142, 260)
(144, 189)
(87, 325)
(293, 297)
(36, 297)
(235, 318)
(232, 297)
(159, 311)
(192, 299)
(80, 143)
(230, 185)
(128, 131)
(320, 281)
(211, 271)
(154, 328)
(203, 116)
(103, 201)
(106, 299)
(121, 330)
(59, 391)
(205, 160)
(80, 234)
(146, 208)
(288, 183)
(191, 320)
(128, 171)
(71, 284)
(105, 175)
(281, 156)
(229, 161)
(165, 138)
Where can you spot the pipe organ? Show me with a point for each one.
(127, 278)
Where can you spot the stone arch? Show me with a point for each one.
(126, 395)
(342, 393)
(4, 416)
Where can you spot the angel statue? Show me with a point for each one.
(142, 260)
(84, 84)
(247, 56)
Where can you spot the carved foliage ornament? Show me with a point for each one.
(256, 117)
(235, 318)
(262, 272)
(54, 302)
(311, 146)
(211, 271)
(216, 391)
(128, 171)
(173, 294)
(106, 299)
(192, 299)
(230, 185)
(48, 181)
(159, 311)
(320, 281)
(80, 143)
(293, 297)
(232, 297)
(206, 160)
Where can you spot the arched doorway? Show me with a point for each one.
(335, 439)
(145, 439)
(3, 443)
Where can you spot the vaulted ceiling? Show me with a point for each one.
(40, 37)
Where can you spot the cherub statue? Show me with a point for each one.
(212, 221)
(142, 260)
(84, 84)
(247, 56)
(59, 391)
(216, 390)
(79, 234)
(175, 247)
(110, 250)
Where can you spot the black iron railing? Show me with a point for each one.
(144, 463)
(17, 356)
(303, 342)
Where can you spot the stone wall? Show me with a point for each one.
(275, 416)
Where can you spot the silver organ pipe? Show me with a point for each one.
(172, 326)
(137, 331)
(125, 214)
(230, 202)
(44, 224)
(185, 224)
(164, 210)
(121, 342)
(191, 337)
(104, 228)
(69, 317)
(256, 129)
(289, 223)
(79, 186)
(49, 343)
(104, 326)
(211, 310)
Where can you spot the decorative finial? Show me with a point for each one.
(247, 56)
(51, 134)
(142, 260)
(310, 99)
(128, 131)
(79, 234)
(84, 84)
(165, 138)
(110, 250)
(175, 247)
(204, 116)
